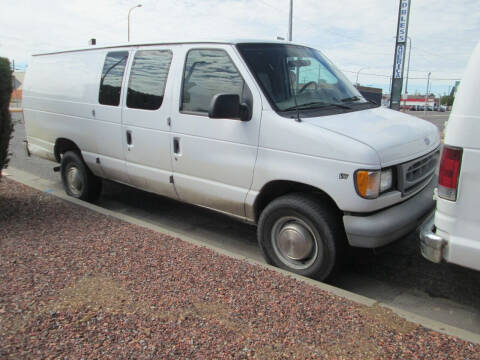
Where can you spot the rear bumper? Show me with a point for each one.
(431, 245)
(388, 225)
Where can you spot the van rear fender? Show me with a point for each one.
(62, 145)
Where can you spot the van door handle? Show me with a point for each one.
(129, 140)
(176, 145)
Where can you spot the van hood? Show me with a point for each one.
(395, 136)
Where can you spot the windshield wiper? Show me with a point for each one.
(319, 106)
(353, 98)
(342, 106)
(356, 98)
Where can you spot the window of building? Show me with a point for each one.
(112, 77)
(148, 78)
(208, 73)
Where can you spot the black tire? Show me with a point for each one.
(85, 185)
(316, 218)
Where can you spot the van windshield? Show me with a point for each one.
(294, 76)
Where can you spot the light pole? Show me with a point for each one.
(408, 68)
(426, 93)
(129, 11)
(290, 21)
(358, 73)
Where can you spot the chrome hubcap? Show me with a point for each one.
(74, 180)
(294, 242)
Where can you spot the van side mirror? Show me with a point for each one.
(227, 106)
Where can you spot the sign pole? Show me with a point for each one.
(290, 21)
(399, 59)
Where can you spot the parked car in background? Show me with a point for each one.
(452, 233)
(268, 132)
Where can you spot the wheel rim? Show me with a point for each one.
(295, 243)
(74, 180)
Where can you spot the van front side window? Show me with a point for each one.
(147, 79)
(112, 77)
(208, 73)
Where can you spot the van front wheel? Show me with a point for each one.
(78, 180)
(297, 233)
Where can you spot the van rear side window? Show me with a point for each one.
(112, 77)
(147, 79)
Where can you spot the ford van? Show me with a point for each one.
(269, 132)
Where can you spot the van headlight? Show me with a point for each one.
(386, 180)
(371, 183)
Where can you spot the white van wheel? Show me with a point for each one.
(298, 233)
(78, 180)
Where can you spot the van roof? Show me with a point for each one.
(123, 45)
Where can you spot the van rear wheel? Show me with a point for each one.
(300, 234)
(78, 181)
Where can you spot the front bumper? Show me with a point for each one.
(388, 225)
(431, 245)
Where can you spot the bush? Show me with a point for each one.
(6, 126)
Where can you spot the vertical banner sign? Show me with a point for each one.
(399, 60)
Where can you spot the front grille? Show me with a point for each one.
(415, 173)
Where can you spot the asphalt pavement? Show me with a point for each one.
(396, 275)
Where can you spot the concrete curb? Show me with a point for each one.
(45, 186)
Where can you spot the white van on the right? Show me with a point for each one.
(452, 233)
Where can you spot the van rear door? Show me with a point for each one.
(107, 115)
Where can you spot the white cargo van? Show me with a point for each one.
(452, 233)
(268, 132)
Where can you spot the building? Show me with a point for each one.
(17, 85)
(370, 93)
(415, 101)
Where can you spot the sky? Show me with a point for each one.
(355, 35)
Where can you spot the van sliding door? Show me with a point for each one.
(145, 121)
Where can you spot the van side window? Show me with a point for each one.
(148, 78)
(112, 77)
(207, 73)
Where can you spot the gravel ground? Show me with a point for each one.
(78, 284)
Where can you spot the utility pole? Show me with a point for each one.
(426, 93)
(290, 21)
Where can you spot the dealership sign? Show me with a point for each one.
(398, 71)
(403, 21)
(399, 59)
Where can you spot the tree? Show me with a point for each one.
(6, 125)
(447, 100)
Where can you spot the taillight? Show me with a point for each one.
(449, 172)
